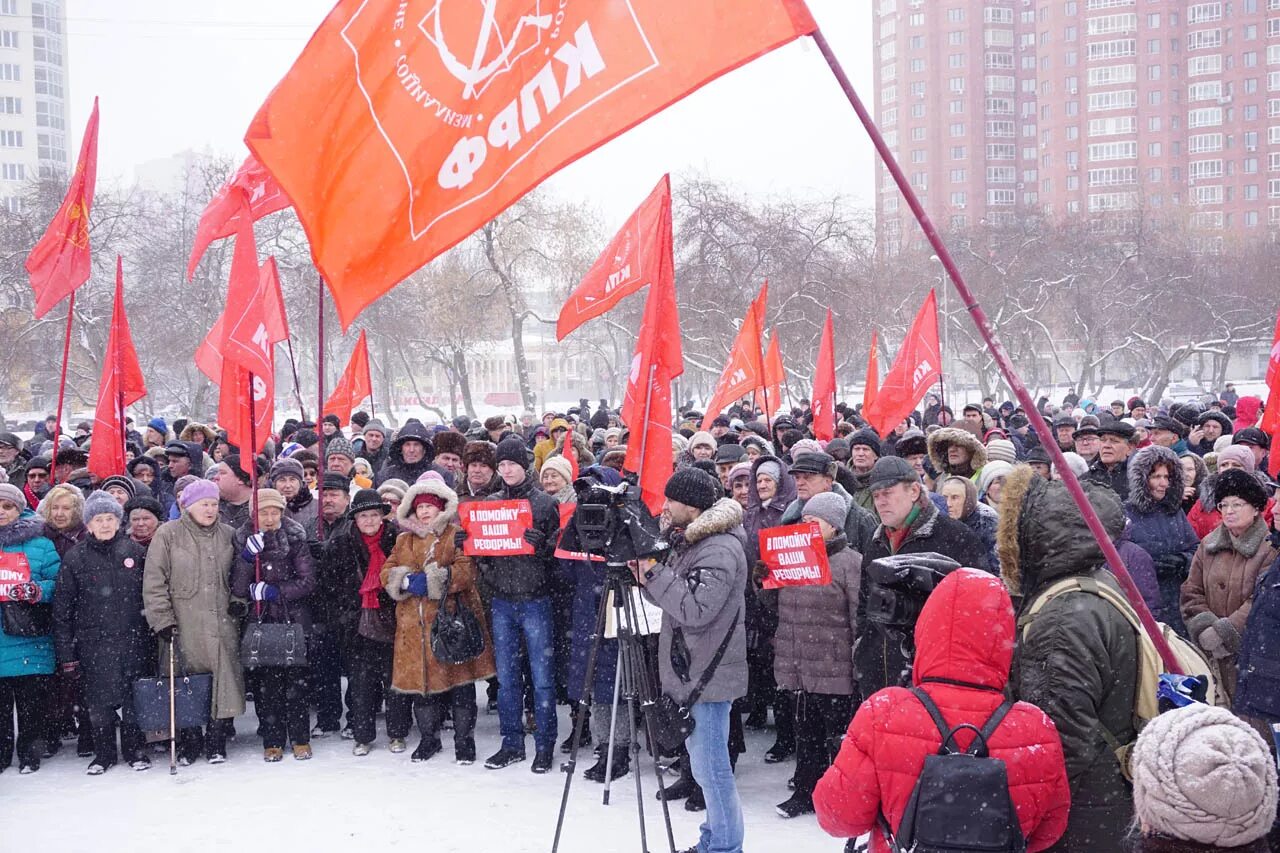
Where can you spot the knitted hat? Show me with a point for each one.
(1201, 774)
(450, 442)
(1234, 483)
(198, 491)
(429, 498)
(339, 446)
(123, 482)
(829, 507)
(147, 504)
(101, 503)
(375, 425)
(394, 487)
(866, 437)
(991, 472)
(11, 493)
(269, 498)
(512, 449)
(367, 499)
(770, 468)
(560, 465)
(1001, 449)
(742, 469)
(1238, 453)
(702, 438)
(694, 488)
(804, 446)
(287, 468)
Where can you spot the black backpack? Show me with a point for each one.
(961, 801)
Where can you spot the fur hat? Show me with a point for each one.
(494, 423)
(560, 465)
(942, 439)
(806, 445)
(102, 503)
(694, 488)
(1201, 774)
(450, 442)
(269, 498)
(1240, 484)
(483, 452)
(1002, 450)
(367, 499)
(828, 506)
(911, 443)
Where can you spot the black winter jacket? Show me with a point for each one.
(285, 563)
(395, 468)
(526, 576)
(341, 569)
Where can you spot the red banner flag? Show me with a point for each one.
(208, 356)
(824, 385)
(121, 386)
(771, 400)
(221, 216)
(496, 528)
(14, 570)
(915, 369)
(873, 372)
(628, 263)
(355, 385)
(745, 371)
(659, 358)
(247, 353)
(1271, 412)
(405, 126)
(60, 262)
(794, 555)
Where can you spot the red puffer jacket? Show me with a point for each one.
(964, 636)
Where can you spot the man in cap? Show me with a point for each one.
(450, 447)
(1166, 432)
(814, 474)
(720, 426)
(910, 523)
(372, 444)
(339, 456)
(1111, 468)
(1087, 440)
(184, 458)
(727, 456)
(1137, 408)
(1064, 429)
(11, 460)
(1257, 441)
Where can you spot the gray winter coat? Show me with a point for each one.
(701, 590)
(817, 625)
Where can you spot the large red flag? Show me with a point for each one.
(824, 385)
(60, 262)
(1271, 413)
(873, 372)
(405, 125)
(915, 370)
(659, 358)
(627, 264)
(355, 385)
(745, 370)
(221, 216)
(208, 356)
(771, 400)
(121, 386)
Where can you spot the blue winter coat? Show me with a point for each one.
(29, 655)
(1160, 528)
(1258, 690)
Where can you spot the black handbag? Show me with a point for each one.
(24, 619)
(673, 721)
(456, 637)
(192, 700)
(273, 643)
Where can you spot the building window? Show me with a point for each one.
(957, 199)
(1210, 91)
(1001, 174)
(1203, 13)
(1000, 197)
(1112, 49)
(958, 152)
(8, 7)
(917, 155)
(1107, 24)
(1112, 151)
(955, 38)
(1202, 142)
(10, 139)
(1201, 169)
(955, 16)
(1107, 75)
(1113, 126)
(1113, 100)
(1207, 117)
(956, 107)
(1211, 64)
(13, 172)
(1205, 39)
(957, 129)
(917, 134)
(10, 106)
(955, 60)
(958, 176)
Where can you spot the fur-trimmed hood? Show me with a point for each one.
(723, 516)
(942, 439)
(201, 434)
(1042, 536)
(409, 522)
(26, 527)
(1141, 464)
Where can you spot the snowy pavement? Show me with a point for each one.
(339, 802)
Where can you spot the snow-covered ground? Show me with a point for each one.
(339, 802)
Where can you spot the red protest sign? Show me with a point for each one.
(496, 528)
(795, 556)
(566, 514)
(14, 569)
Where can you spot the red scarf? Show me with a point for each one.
(373, 576)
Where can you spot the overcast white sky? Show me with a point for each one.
(182, 75)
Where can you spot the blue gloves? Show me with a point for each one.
(262, 591)
(416, 584)
(253, 547)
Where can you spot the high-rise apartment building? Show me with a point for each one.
(33, 94)
(1081, 107)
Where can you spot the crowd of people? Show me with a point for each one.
(1013, 649)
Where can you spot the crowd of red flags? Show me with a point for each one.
(917, 367)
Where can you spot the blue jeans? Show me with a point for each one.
(533, 620)
(709, 759)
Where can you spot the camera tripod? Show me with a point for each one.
(632, 684)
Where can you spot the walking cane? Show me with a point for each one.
(173, 716)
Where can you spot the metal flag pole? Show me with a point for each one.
(320, 389)
(62, 390)
(1001, 357)
(297, 385)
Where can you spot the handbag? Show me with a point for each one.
(24, 619)
(192, 699)
(672, 720)
(273, 643)
(456, 637)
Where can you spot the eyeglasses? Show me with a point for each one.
(1232, 505)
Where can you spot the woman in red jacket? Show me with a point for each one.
(964, 645)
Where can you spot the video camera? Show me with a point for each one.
(613, 522)
(901, 584)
